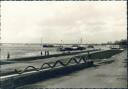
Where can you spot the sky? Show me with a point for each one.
(63, 21)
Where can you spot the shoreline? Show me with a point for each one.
(100, 55)
(44, 57)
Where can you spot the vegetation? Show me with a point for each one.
(119, 42)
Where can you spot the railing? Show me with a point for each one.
(84, 59)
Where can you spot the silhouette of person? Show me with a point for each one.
(45, 53)
(48, 53)
(41, 53)
(8, 55)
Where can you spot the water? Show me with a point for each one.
(25, 50)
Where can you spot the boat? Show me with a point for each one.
(114, 47)
(48, 45)
(90, 46)
(72, 48)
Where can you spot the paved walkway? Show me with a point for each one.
(111, 75)
(20, 65)
(36, 63)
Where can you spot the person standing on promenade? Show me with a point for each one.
(45, 53)
(48, 53)
(8, 55)
(41, 53)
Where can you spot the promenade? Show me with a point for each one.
(113, 75)
(101, 59)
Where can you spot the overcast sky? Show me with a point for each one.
(53, 21)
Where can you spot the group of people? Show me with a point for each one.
(46, 53)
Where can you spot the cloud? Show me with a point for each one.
(67, 21)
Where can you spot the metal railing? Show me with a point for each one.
(84, 59)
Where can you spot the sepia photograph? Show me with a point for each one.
(63, 44)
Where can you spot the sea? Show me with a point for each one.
(27, 50)
(24, 50)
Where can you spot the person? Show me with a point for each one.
(41, 53)
(8, 55)
(48, 53)
(45, 53)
